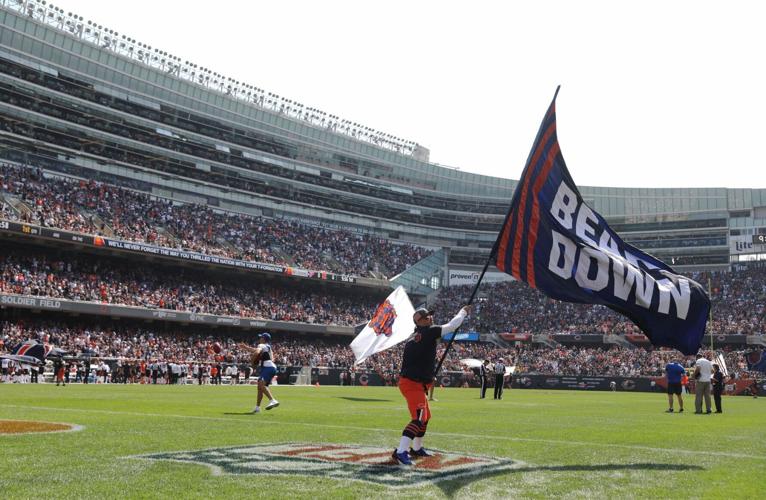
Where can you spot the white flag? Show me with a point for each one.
(471, 362)
(391, 324)
(721, 364)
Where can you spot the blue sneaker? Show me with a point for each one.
(421, 453)
(401, 458)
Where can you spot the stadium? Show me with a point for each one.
(156, 215)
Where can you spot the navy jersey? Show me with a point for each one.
(419, 359)
(674, 372)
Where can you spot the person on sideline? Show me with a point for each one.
(483, 373)
(685, 383)
(499, 378)
(674, 373)
(703, 372)
(431, 392)
(717, 382)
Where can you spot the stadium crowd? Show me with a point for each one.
(102, 209)
(134, 345)
(738, 297)
(122, 282)
(738, 300)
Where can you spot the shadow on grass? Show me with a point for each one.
(364, 400)
(450, 488)
(239, 412)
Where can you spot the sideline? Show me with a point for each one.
(431, 433)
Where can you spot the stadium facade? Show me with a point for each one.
(79, 99)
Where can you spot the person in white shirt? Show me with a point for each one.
(175, 372)
(703, 371)
(228, 372)
(205, 374)
(105, 370)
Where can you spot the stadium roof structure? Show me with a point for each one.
(154, 57)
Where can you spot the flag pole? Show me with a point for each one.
(710, 313)
(470, 301)
(493, 253)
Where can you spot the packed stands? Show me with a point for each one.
(129, 342)
(112, 281)
(98, 208)
(87, 206)
(738, 307)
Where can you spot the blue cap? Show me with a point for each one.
(266, 336)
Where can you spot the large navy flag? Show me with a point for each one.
(555, 242)
(756, 361)
(30, 352)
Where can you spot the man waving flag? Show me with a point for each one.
(555, 242)
(391, 324)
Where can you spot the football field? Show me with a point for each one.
(335, 442)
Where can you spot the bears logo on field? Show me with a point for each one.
(342, 462)
(383, 319)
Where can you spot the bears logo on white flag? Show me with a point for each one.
(391, 324)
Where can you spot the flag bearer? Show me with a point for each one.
(416, 377)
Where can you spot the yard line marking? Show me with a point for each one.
(432, 433)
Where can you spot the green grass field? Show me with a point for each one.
(562, 444)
